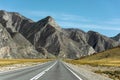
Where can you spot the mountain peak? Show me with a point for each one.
(2, 13)
(6, 15)
(49, 18)
(2, 10)
(50, 21)
(117, 37)
(118, 34)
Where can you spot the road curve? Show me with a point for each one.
(54, 70)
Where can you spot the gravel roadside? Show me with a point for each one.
(86, 73)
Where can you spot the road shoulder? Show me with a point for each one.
(87, 73)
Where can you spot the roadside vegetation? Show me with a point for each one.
(109, 58)
(115, 75)
(6, 62)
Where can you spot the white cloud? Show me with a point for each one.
(113, 21)
(70, 20)
(90, 26)
(39, 13)
(58, 16)
(69, 17)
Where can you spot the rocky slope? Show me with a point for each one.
(14, 21)
(50, 39)
(117, 37)
(100, 42)
(14, 45)
(47, 34)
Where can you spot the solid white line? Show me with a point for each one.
(42, 73)
(73, 73)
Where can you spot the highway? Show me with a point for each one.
(53, 70)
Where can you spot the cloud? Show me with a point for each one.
(113, 21)
(69, 17)
(39, 13)
(58, 16)
(89, 26)
(69, 20)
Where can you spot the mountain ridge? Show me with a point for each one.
(117, 37)
(49, 38)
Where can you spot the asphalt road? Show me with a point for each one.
(54, 70)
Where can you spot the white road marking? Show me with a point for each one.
(42, 73)
(73, 73)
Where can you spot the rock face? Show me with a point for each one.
(48, 35)
(100, 42)
(50, 39)
(15, 45)
(117, 37)
(79, 38)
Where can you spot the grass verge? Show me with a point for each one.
(6, 62)
(106, 62)
(115, 75)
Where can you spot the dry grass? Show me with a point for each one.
(109, 54)
(5, 62)
(115, 75)
(95, 62)
(107, 58)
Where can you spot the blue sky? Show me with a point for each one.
(102, 16)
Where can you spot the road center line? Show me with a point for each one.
(73, 72)
(42, 73)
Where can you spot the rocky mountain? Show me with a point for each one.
(117, 37)
(100, 42)
(14, 21)
(50, 39)
(47, 34)
(14, 45)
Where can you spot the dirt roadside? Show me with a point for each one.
(88, 72)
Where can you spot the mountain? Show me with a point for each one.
(100, 42)
(49, 39)
(117, 37)
(14, 21)
(14, 45)
(47, 34)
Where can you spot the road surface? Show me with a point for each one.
(54, 70)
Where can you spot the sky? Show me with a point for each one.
(102, 16)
